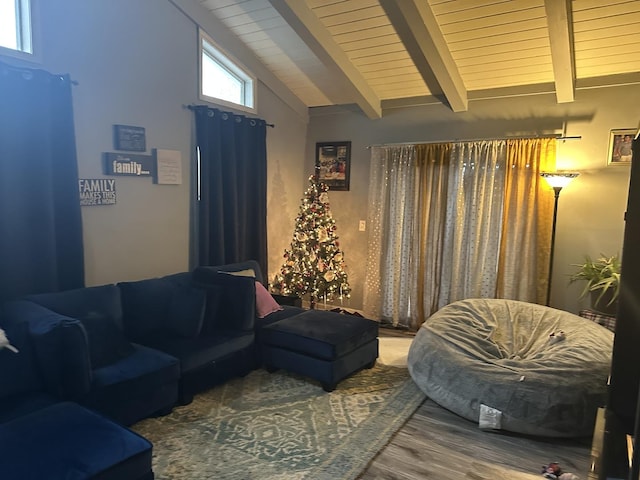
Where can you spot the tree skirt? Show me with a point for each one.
(280, 426)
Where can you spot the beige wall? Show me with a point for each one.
(591, 209)
(140, 68)
(136, 64)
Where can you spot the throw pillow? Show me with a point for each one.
(107, 344)
(241, 273)
(186, 311)
(265, 303)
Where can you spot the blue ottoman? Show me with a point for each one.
(68, 442)
(325, 346)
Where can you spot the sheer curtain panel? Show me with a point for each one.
(474, 221)
(526, 227)
(390, 284)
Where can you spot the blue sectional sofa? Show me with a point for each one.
(93, 360)
(42, 437)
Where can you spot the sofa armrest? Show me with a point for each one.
(60, 347)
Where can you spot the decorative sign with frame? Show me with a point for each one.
(130, 164)
(620, 142)
(129, 138)
(97, 191)
(333, 163)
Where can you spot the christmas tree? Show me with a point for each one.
(314, 263)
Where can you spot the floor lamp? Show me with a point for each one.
(557, 181)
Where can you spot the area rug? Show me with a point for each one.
(281, 426)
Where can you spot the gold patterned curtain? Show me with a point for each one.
(525, 245)
(453, 221)
(433, 162)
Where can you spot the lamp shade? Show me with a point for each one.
(559, 179)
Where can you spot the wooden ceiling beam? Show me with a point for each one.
(562, 53)
(315, 35)
(418, 29)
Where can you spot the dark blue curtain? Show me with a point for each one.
(41, 247)
(232, 210)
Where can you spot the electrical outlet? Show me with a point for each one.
(362, 226)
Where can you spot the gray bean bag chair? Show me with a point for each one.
(499, 353)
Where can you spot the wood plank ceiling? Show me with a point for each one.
(381, 53)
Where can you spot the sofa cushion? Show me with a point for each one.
(84, 302)
(136, 386)
(169, 305)
(186, 311)
(66, 441)
(320, 334)
(145, 304)
(195, 353)
(237, 303)
(107, 343)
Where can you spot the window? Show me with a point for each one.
(15, 26)
(223, 80)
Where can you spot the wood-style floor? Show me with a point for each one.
(437, 444)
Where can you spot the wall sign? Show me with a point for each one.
(128, 164)
(97, 191)
(168, 167)
(127, 137)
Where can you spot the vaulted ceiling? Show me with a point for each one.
(384, 53)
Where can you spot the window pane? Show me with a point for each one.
(8, 33)
(218, 82)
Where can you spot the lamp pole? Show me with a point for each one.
(556, 191)
(556, 180)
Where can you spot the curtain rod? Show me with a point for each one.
(193, 107)
(30, 70)
(557, 137)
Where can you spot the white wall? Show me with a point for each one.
(136, 64)
(591, 209)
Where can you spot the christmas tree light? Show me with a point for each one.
(314, 263)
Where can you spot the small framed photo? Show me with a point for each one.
(620, 143)
(129, 138)
(333, 163)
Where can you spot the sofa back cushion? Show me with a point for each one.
(168, 305)
(107, 343)
(186, 311)
(81, 303)
(236, 305)
(145, 304)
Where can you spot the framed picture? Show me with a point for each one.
(129, 138)
(620, 142)
(333, 162)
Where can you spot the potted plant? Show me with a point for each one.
(602, 277)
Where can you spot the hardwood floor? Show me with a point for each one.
(437, 444)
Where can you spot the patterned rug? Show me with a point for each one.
(280, 426)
